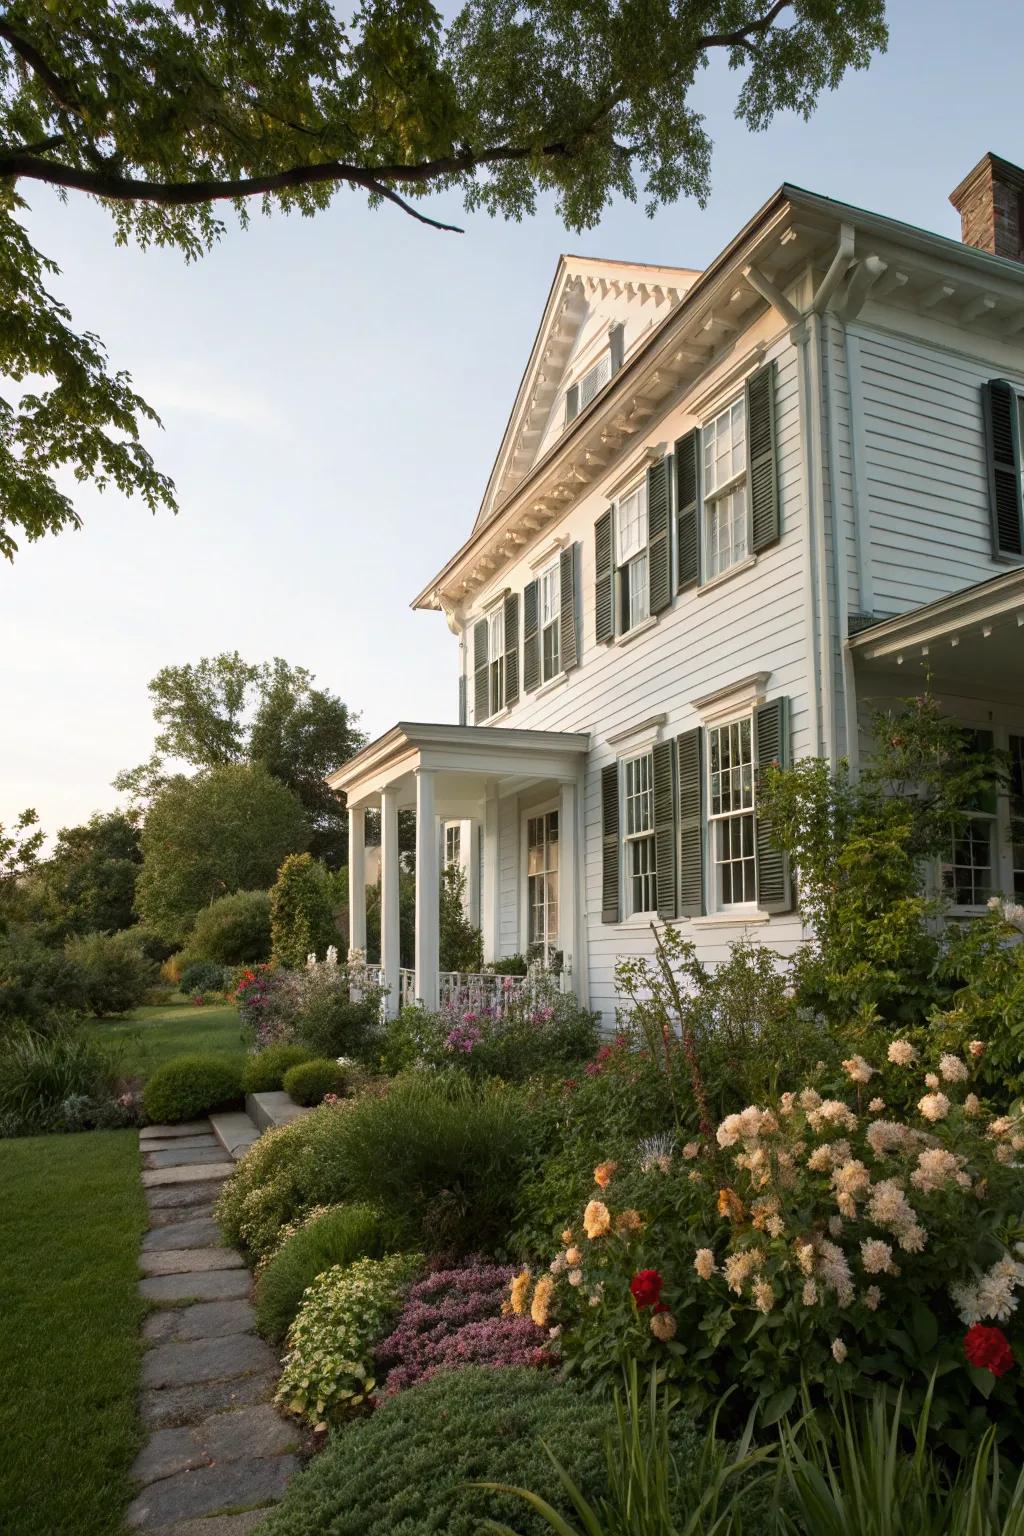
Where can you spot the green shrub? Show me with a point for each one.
(41, 1073)
(301, 911)
(190, 1086)
(37, 983)
(201, 976)
(309, 1082)
(346, 1311)
(264, 1070)
(233, 930)
(116, 971)
(438, 1155)
(286, 1173)
(408, 1468)
(329, 1021)
(338, 1236)
(460, 944)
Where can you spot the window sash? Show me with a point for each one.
(496, 666)
(631, 524)
(550, 603)
(726, 531)
(637, 593)
(640, 855)
(726, 510)
(452, 845)
(968, 872)
(542, 880)
(724, 441)
(732, 812)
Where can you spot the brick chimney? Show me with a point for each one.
(990, 202)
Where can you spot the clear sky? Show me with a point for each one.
(333, 393)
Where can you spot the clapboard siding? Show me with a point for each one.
(925, 475)
(706, 639)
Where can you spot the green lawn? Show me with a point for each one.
(71, 1218)
(153, 1035)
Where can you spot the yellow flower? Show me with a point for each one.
(596, 1220)
(520, 1286)
(567, 1236)
(542, 1300)
(603, 1174)
(663, 1326)
(572, 1256)
(629, 1221)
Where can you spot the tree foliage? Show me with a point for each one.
(19, 849)
(301, 911)
(87, 885)
(223, 709)
(165, 111)
(226, 829)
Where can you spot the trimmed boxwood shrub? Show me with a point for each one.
(339, 1235)
(310, 1082)
(406, 1468)
(202, 976)
(264, 1070)
(189, 1086)
(233, 930)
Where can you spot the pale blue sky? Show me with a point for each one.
(334, 391)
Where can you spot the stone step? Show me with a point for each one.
(200, 1232)
(193, 1173)
(258, 1431)
(211, 1285)
(181, 1198)
(190, 1361)
(186, 1128)
(235, 1131)
(178, 1143)
(189, 1261)
(202, 1320)
(167, 1407)
(208, 1490)
(184, 1157)
(270, 1110)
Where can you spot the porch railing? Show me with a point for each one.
(468, 989)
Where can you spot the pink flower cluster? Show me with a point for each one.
(463, 1037)
(453, 1318)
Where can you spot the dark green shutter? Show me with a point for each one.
(462, 698)
(531, 637)
(762, 458)
(610, 843)
(771, 745)
(664, 828)
(690, 781)
(481, 690)
(687, 457)
(572, 403)
(658, 548)
(616, 346)
(1003, 448)
(604, 604)
(567, 639)
(511, 629)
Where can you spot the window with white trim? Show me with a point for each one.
(631, 557)
(453, 843)
(550, 598)
(542, 882)
(968, 870)
(1016, 746)
(496, 664)
(732, 859)
(726, 539)
(639, 857)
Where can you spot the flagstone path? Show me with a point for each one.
(218, 1452)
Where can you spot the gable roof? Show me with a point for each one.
(639, 284)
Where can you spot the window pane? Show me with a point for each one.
(642, 880)
(639, 596)
(726, 531)
(967, 874)
(631, 524)
(552, 662)
(725, 446)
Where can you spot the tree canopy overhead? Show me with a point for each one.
(165, 110)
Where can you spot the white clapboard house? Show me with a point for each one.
(732, 512)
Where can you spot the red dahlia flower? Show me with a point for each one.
(646, 1286)
(988, 1349)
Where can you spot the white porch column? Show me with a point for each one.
(427, 933)
(390, 869)
(356, 879)
(568, 877)
(491, 913)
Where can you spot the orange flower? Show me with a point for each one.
(730, 1204)
(596, 1220)
(603, 1174)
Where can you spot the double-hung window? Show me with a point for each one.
(639, 846)
(731, 828)
(968, 870)
(542, 882)
(1016, 744)
(453, 844)
(726, 538)
(550, 622)
(496, 665)
(631, 557)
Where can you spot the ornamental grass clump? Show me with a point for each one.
(328, 1370)
(454, 1318)
(819, 1238)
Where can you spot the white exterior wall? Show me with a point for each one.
(753, 620)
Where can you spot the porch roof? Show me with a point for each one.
(469, 756)
(974, 638)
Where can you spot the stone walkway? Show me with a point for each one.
(218, 1452)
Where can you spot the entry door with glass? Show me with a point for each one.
(542, 884)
